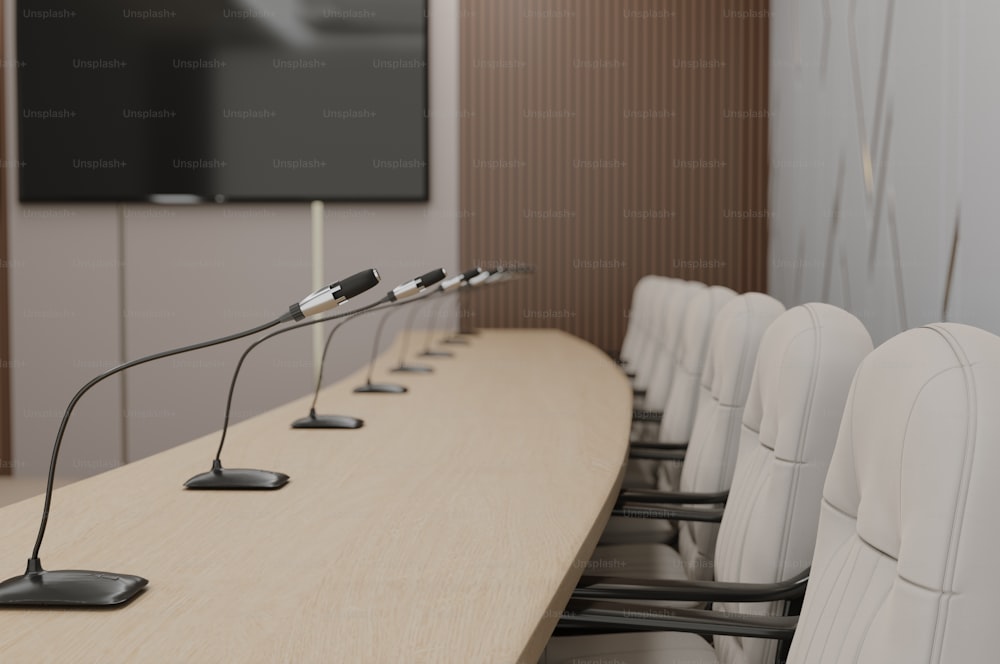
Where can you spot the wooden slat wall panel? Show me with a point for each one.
(558, 171)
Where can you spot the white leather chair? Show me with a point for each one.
(905, 565)
(659, 374)
(662, 379)
(805, 364)
(673, 390)
(715, 378)
(637, 332)
(710, 461)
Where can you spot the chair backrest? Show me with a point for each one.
(638, 319)
(662, 376)
(660, 294)
(905, 563)
(689, 355)
(805, 365)
(722, 392)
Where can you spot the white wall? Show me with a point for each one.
(939, 96)
(89, 290)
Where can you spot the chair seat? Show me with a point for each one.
(640, 474)
(646, 561)
(627, 530)
(631, 648)
(668, 476)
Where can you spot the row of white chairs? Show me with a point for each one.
(794, 495)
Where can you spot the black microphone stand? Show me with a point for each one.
(314, 421)
(228, 478)
(379, 388)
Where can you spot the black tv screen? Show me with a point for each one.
(216, 100)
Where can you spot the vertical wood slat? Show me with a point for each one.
(5, 412)
(546, 89)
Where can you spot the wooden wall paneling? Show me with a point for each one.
(593, 141)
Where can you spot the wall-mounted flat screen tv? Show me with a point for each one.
(222, 100)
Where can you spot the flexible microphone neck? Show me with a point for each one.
(34, 564)
(239, 365)
(432, 321)
(408, 330)
(375, 343)
(385, 303)
(322, 359)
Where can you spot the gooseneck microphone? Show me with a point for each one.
(500, 275)
(219, 478)
(446, 287)
(83, 588)
(314, 421)
(391, 388)
(391, 303)
(478, 277)
(335, 294)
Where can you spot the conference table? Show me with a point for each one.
(452, 527)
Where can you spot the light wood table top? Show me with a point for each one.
(451, 528)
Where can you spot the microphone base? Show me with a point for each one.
(70, 589)
(437, 353)
(328, 422)
(413, 368)
(237, 479)
(384, 388)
